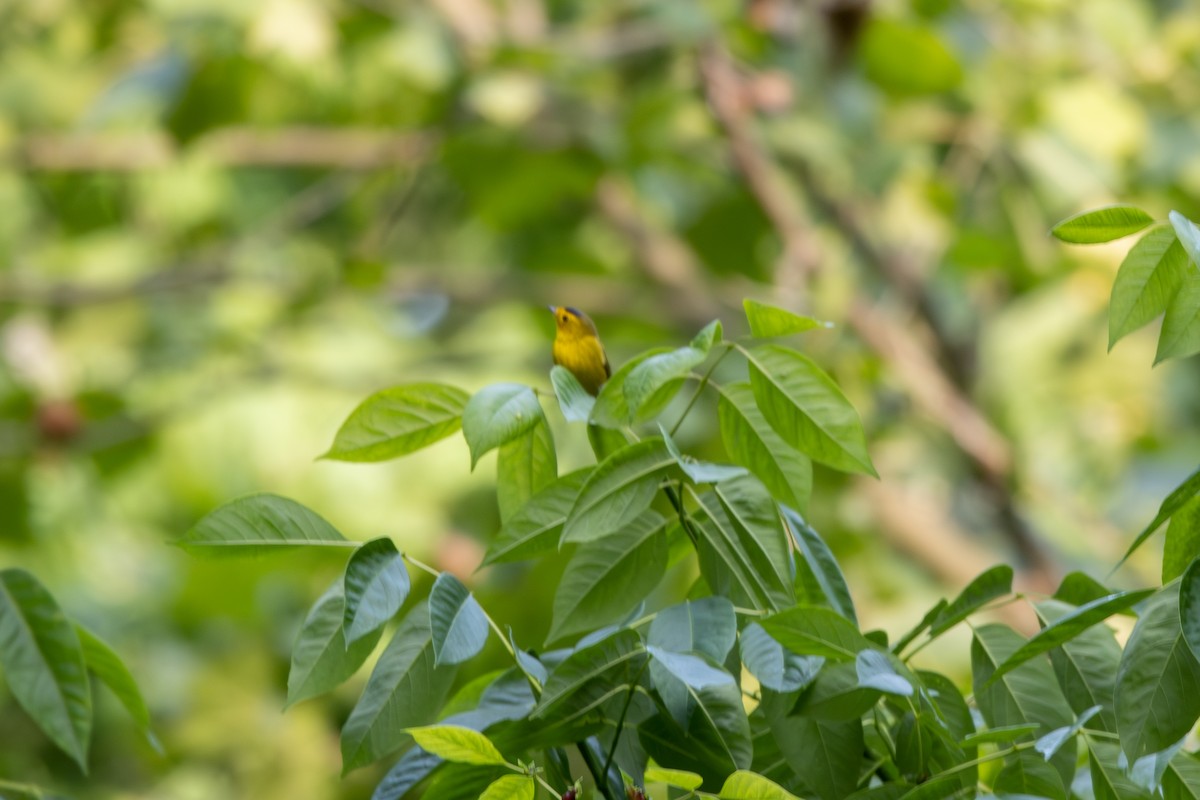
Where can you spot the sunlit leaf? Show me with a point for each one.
(459, 626)
(458, 744)
(745, 785)
(767, 321)
(674, 777)
(510, 787)
(376, 585)
(398, 421)
(260, 523)
(1102, 225)
(1148, 278)
(498, 414)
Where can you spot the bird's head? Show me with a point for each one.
(572, 323)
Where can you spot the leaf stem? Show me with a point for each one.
(600, 778)
(699, 389)
(612, 748)
(23, 788)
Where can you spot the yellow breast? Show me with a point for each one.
(585, 358)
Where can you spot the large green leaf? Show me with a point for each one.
(816, 631)
(398, 421)
(658, 378)
(706, 626)
(987, 586)
(526, 465)
(1068, 627)
(573, 400)
(498, 414)
(376, 584)
(807, 408)
(1181, 781)
(1189, 607)
(320, 658)
(612, 409)
(767, 321)
(105, 664)
(1026, 774)
(405, 690)
(1156, 697)
(536, 528)
(618, 490)
(459, 626)
(1028, 693)
(1147, 280)
(1110, 780)
(260, 523)
(773, 666)
(826, 756)
(1102, 225)
(715, 743)
(1086, 667)
(1176, 500)
(606, 578)
(43, 663)
(1182, 542)
(591, 674)
(752, 442)
(510, 787)
(745, 785)
(819, 565)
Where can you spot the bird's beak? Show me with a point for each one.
(551, 309)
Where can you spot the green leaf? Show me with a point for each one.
(526, 465)
(821, 565)
(1026, 774)
(605, 665)
(1189, 607)
(376, 585)
(1078, 589)
(1026, 694)
(1110, 780)
(459, 626)
(987, 586)
(574, 401)
(320, 658)
(498, 414)
(1188, 233)
(1156, 701)
(707, 626)
(1053, 741)
(605, 579)
(767, 321)
(1148, 278)
(1175, 501)
(743, 546)
(716, 741)
(694, 671)
(1182, 542)
(826, 755)
(260, 523)
(1068, 627)
(699, 471)
(907, 59)
(752, 442)
(708, 336)
(43, 663)
(1001, 735)
(745, 785)
(1181, 781)
(611, 409)
(605, 441)
(807, 409)
(536, 528)
(776, 668)
(510, 787)
(816, 631)
(1102, 225)
(1180, 334)
(106, 665)
(618, 491)
(674, 777)
(875, 671)
(398, 421)
(405, 690)
(457, 744)
(1086, 667)
(659, 377)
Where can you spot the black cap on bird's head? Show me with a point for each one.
(566, 316)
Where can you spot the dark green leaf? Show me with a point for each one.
(376, 585)
(1102, 225)
(405, 690)
(526, 465)
(807, 409)
(1002, 734)
(398, 421)
(1147, 280)
(1070, 626)
(821, 564)
(1079, 589)
(773, 666)
(1086, 667)
(605, 665)
(606, 578)
(875, 671)
(694, 671)
(1026, 694)
(743, 545)
(653, 377)
(459, 626)
(767, 321)
(715, 743)
(987, 586)
(320, 657)
(1181, 781)
(1175, 501)
(1182, 542)
(537, 526)
(826, 756)
(707, 625)
(106, 665)
(699, 471)
(611, 409)
(574, 401)
(1053, 741)
(618, 491)
(1189, 607)
(752, 442)
(1026, 774)
(43, 663)
(498, 414)
(816, 631)
(1109, 778)
(260, 523)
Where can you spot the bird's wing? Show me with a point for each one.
(607, 368)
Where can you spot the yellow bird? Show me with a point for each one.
(577, 347)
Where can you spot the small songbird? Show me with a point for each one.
(577, 347)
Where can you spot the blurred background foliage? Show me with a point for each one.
(224, 223)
